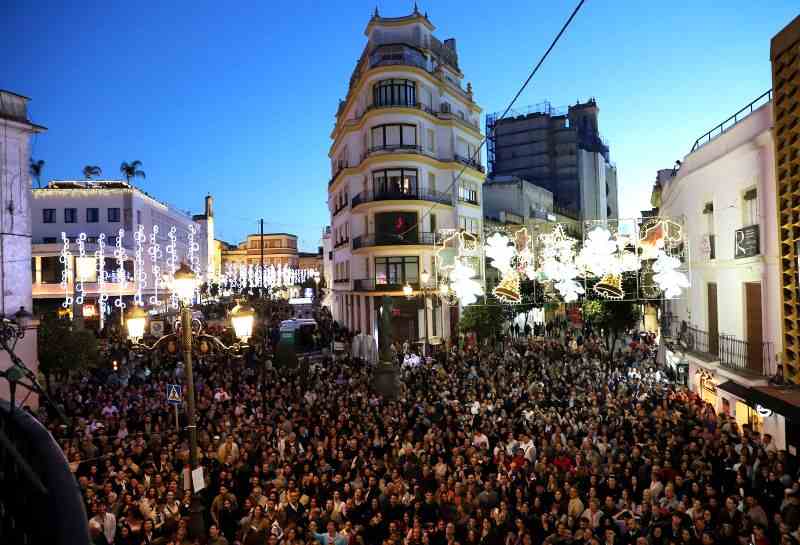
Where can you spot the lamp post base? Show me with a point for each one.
(196, 526)
(386, 380)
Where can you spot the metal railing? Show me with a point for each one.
(469, 162)
(402, 148)
(731, 352)
(341, 243)
(391, 239)
(369, 284)
(425, 195)
(732, 120)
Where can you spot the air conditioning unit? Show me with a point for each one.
(445, 107)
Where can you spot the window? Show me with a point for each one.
(92, 215)
(396, 270)
(70, 215)
(395, 92)
(49, 215)
(138, 217)
(394, 136)
(395, 180)
(468, 193)
(113, 215)
(470, 225)
(432, 217)
(431, 140)
(49, 240)
(750, 207)
(51, 270)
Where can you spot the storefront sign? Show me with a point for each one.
(746, 242)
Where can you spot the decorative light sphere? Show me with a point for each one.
(184, 283)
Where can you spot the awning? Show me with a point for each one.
(758, 396)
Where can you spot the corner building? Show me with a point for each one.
(403, 134)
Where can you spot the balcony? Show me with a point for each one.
(341, 243)
(425, 195)
(339, 209)
(743, 357)
(405, 148)
(369, 284)
(469, 162)
(389, 239)
(397, 54)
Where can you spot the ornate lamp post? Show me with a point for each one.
(242, 318)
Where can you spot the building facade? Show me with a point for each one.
(405, 166)
(784, 52)
(277, 249)
(560, 151)
(513, 200)
(725, 192)
(15, 228)
(100, 207)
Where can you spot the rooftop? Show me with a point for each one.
(729, 123)
(14, 107)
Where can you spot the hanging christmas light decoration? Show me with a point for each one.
(558, 263)
(501, 252)
(65, 258)
(668, 278)
(139, 272)
(155, 254)
(102, 274)
(79, 269)
(455, 258)
(193, 257)
(120, 255)
(172, 264)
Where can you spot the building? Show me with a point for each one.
(514, 200)
(310, 260)
(15, 229)
(209, 258)
(277, 249)
(327, 269)
(405, 131)
(104, 207)
(784, 52)
(725, 191)
(560, 151)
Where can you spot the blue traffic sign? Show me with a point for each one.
(174, 394)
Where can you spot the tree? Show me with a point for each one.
(132, 170)
(36, 168)
(64, 348)
(91, 170)
(485, 321)
(612, 318)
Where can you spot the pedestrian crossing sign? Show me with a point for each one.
(174, 394)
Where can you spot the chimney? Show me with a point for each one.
(209, 206)
(450, 43)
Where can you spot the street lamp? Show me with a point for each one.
(242, 318)
(408, 291)
(135, 322)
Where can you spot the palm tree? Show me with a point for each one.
(36, 168)
(132, 170)
(91, 170)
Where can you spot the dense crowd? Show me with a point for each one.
(526, 442)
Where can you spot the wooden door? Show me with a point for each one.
(713, 320)
(755, 334)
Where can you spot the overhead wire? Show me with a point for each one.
(505, 113)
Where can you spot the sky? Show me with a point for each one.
(237, 99)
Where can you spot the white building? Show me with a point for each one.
(725, 192)
(97, 208)
(15, 227)
(402, 135)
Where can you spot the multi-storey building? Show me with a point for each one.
(15, 228)
(560, 151)
(404, 166)
(784, 53)
(513, 200)
(277, 249)
(100, 207)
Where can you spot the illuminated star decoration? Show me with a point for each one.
(668, 278)
(605, 256)
(457, 281)
(558, 263)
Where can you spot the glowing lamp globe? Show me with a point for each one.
(408, 291)
(184, 283)
(242, 318)
(424, 276)
(135, 322)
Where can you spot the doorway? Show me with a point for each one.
(713, 320)
(755, 333)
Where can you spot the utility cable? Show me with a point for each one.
(505, 113)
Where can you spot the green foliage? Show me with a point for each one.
(611, 317)
(484, 320)
(63, 347)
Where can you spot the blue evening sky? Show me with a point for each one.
(238, 98)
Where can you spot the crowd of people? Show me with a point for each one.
(529, 441)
